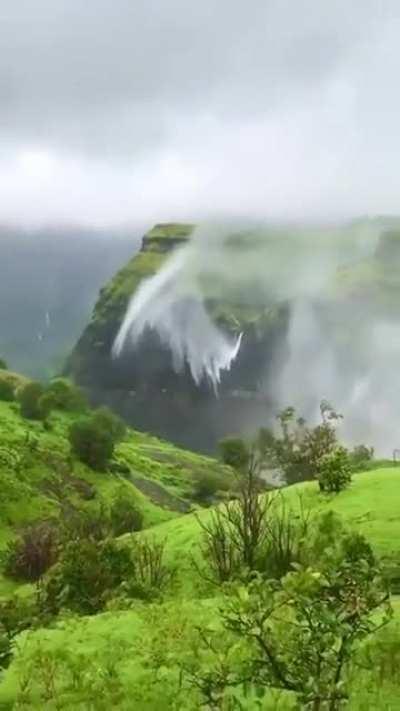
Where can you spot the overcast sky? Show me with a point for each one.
(141, 110)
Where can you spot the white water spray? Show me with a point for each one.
(170, 304)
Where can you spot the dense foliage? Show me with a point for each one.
(30, 401)
(93, 437)
(7, 393)
(264, 600)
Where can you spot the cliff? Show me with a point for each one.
(143, 385)
(289, 298)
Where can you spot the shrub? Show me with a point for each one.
(235, 535)
(105, 418)
(360, 457)
(125, 516)
(234, 452)
(91, 442)
(206, 485)
(63, 395)
(334, 472)
(7, 393)
(17, 613)
(288, 538)
(32, 554)
(30, 402)
(93, 522)
(298, 635)
(151, 573)
(88, 574)
(3, 364)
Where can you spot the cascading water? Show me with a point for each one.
(172, 306)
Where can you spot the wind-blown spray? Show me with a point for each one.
(172, 306)
(342, 342)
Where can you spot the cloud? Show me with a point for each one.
(150, 110)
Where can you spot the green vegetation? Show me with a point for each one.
(92, 442)
(156, 578)
(7, 393)
(30, 401)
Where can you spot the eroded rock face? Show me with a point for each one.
(142, 384)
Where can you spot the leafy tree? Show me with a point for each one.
(298, 449)
(91, 442)
(30, 401)
(7, 393)
(94, 437)
(334, 471)
(3, 364)
(299, 634)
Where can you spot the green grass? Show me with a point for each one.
(371, 505)
(124, 638)
(37, 472)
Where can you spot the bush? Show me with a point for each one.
(360, 457)
(32, 554)
(30, 402)
(125, 516)
(234, 537)
(234, 452)
(206, 485)
(91, 442)
(299, 635)
(334, 471)
(93, 523)
(151, 573)
(7, 393)
(63, 395)
(105, 418)
(3, 364)
(87, 575)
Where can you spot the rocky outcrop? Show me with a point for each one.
(142, 384)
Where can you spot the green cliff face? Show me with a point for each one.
(250, 283)
(96, 341)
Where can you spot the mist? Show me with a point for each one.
(338, 347)
(141, 112)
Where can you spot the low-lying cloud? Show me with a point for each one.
(144, 111)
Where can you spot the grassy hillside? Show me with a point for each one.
(40, 480)
(114, 645)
